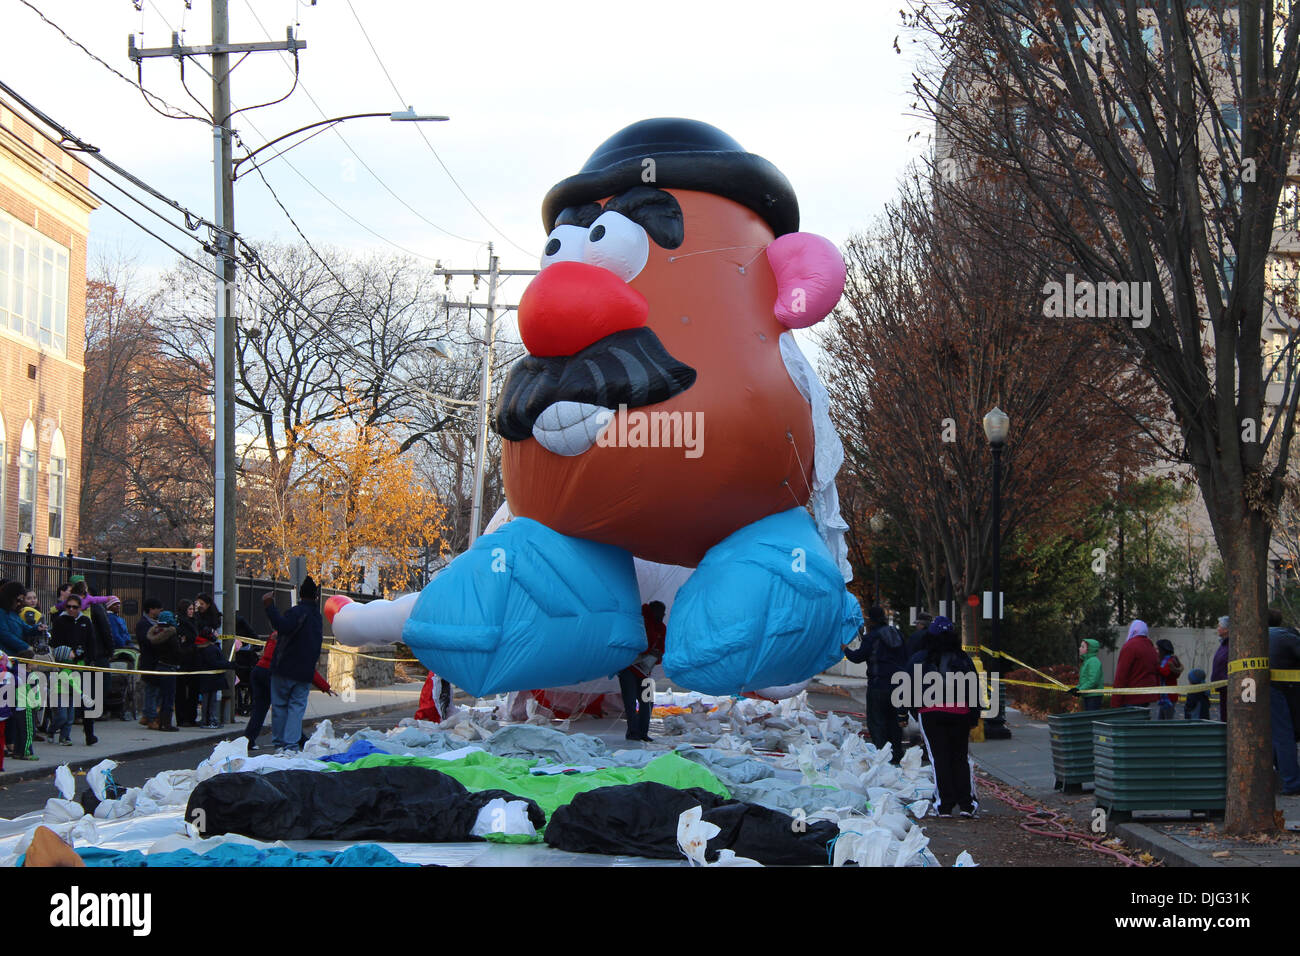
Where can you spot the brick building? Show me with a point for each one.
(45, 208)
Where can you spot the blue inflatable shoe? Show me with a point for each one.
(527, 607)
(766, 607)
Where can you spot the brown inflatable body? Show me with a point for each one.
(711, 306)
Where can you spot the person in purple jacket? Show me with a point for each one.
(1219, 667)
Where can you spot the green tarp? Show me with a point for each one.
(484, 771)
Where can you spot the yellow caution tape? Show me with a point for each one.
(56, 666)
(1013, 660)
(1248, 664)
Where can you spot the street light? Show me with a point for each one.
(997, 424)
(407, 115)
(225, 169)
(877, 525)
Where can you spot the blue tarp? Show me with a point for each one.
(359, 749)
(234, 854)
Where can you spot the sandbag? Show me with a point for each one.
(641, 820)
(396, 804)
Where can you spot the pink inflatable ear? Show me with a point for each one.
(810, 277)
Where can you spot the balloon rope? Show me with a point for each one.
(800, 459)
(702, 252)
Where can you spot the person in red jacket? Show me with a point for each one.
(260, 677)
(1138, 666)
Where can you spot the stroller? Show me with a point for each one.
(123, 692)
(245, 660)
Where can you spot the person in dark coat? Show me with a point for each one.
(167, 657)
(1198, 704)
(884, 651)
(260, 677)
(948, 708)
(916, 640)
(208, 657)
(148, 660)
(1284, 701)
(187, 686)
(1219, 667)
(632, 680)
(300, 633)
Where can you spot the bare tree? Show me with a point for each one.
(942, 321)
(1151, 142)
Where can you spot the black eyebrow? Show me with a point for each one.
(583, 215)
(655, 211)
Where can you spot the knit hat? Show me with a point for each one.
(940, 625)
(63, 654)
(77, 579)
(307, 591)
(876, 613)
(113, 599)
(167, 619)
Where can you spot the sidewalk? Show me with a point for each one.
(1025, 762)
(120, 740)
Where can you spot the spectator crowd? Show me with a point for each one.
(168, 672)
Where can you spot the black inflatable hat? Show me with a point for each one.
(687, 154)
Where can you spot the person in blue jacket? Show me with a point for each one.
(301, 631)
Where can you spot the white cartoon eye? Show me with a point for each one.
(616, 243)
(565, 244)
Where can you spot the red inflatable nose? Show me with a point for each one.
(570, 305)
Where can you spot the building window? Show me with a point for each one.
(1288, 212)
(27, 486)
(57, 490)
(1276, 353)
(33, 286)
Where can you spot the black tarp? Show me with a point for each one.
(397, 804)
(640, 819)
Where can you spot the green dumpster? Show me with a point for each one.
(1072, 742)
(1161, 765)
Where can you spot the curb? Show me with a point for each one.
(1169, 850)
(9, 777)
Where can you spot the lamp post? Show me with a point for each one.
(877, 526)
(996, 426)
(225, 169)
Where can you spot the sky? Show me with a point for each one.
(816, 88)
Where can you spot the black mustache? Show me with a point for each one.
(629, 368)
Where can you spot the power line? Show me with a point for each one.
(177, 113)
(93, 152)
(454, 182)
(367, 166)
(328, 199)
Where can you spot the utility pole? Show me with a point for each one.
(223, 571)
(494, 273)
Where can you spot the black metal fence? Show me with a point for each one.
(132, 583)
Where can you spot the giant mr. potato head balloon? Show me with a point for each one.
(664, 411)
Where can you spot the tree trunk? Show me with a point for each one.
(1250, 751)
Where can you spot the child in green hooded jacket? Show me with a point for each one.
(1090, 673)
